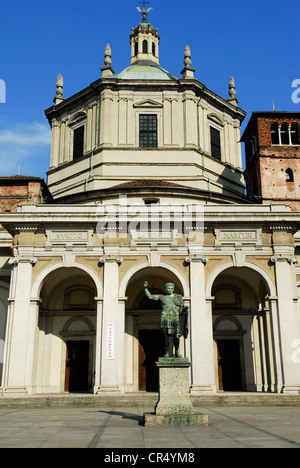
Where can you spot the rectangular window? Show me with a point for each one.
(148, 131)
(78, 140)
(215, 141)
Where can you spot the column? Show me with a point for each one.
(112, 326)
(201, 329)
(54, 144)
(20, 345)
(275, 337)
(288, 320)
(98, 357)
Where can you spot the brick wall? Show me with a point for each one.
(266, 171)
(19, 190)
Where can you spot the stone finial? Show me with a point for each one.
(187, 56)
(188, 71)
(232, 92)
(107, 56)
(59, 90)
(107, 71)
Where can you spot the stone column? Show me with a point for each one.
(111, 349)
(99, 303)
(289, 327)
(21, 329)
(201, 329)
(54, 144)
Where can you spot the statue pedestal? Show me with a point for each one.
(174, 406)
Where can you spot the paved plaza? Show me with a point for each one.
(108, 428)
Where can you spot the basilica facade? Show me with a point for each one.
(146, 184)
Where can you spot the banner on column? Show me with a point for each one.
(110, 341)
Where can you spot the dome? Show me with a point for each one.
(145, 70)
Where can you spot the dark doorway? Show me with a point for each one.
(150, 349)
(77, 366)
(230, 375)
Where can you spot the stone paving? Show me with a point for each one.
(110, 428)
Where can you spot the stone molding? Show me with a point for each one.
(111, 258)
(284, 258)
(22, 259)
(197, 258)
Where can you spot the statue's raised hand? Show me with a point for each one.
(146, 284)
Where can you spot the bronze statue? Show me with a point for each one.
(174, 316)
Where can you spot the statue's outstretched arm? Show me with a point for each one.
(148, 293)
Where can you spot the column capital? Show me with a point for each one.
(111, 258)
(291, 259)
(22, 259)
(197, 258)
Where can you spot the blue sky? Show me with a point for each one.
(255, 41)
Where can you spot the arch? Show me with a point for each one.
(289, 175)
(38, 284)
(78, 117)
(125, 281)
(228, 318)
(78, 319)
(268, 280)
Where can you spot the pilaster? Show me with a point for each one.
(288, 320)
(20, 344)
(201, 329)
(111, 327)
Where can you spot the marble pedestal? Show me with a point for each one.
(174, 406)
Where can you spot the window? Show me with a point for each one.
(153, 49)
(148, 131)
(136, 48)
(285, 135)
(275, 133)
(289, 175)
(294, 134)
(78, 141)
(151, 201)
(145, 47)
(284, 132)
(215, 141)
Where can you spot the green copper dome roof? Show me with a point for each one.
(145, 70)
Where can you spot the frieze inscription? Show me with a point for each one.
(68, 237)
(237, 236)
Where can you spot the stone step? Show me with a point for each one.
(146, 400)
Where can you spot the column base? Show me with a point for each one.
(107, 390)
(197, 390)
(291, 389)
(14, 391)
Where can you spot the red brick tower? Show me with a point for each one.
(272, 148)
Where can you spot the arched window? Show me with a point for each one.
(153, 49)
(145, 47)
(136, 48)
(275, 133)
(289, 175)
(284, 132)
(294, 134)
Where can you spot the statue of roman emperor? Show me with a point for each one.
(174, 316)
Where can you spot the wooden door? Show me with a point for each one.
(150, 349)
(77, 366)
(230, 363)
